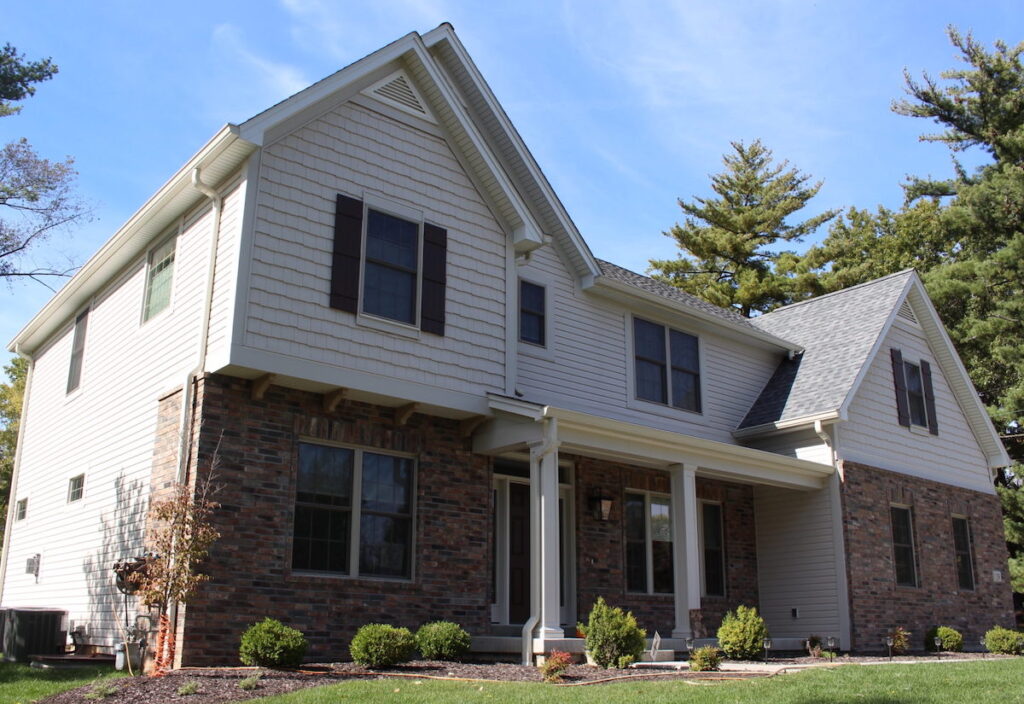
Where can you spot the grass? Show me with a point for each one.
(21, 684)
(980, 682)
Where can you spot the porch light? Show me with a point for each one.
(601, 506)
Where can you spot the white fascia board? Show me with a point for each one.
(446, 33)
(785, 426)
(628, 295)
(225, 152)
(515, 407)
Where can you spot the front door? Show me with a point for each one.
(518, 552)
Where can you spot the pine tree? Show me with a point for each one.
(729, 243)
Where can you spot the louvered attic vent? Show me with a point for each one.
(397, 91)
(906, 312)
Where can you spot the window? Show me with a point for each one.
(648, 544)
(391, 280)
(915, 395)
(903, 546)
(334, 532)
(531, 313)
(76, 486)
(667, 366)
(714, 549)
(21, 510)
(159, 279)
(962, 549)
(77, 351)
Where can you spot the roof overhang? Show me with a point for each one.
(217, 160)
(786, 426)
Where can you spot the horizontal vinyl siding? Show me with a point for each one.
(801, 444)
(222, 309)
(585, 367)
(796, 566)
(873, 435)
(351, 150)
(104, 430)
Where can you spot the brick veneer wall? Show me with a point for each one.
(250, 564)
(600, 546)
(877, 604)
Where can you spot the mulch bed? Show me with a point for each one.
(217, 685)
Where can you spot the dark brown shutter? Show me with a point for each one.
(929, 397)
(435, 278)
(348, 241)
(900, 380)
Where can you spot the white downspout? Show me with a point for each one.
(548, 444)
(838, 540)
(13, 500)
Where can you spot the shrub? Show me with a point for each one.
(101, 690)
(1005, 641)
(190, 687)
(950, 639)
(270, 643)
(380, 645)
(813, 646)
(705, 659)
(741, 635)
(613, 634)
(442, 640)
(900, 640)
(554, 665)
(250, 683)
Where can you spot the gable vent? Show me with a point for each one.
(397, 91)
(906, 312)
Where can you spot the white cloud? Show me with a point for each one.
(280, 80)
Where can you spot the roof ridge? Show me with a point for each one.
(864, 284)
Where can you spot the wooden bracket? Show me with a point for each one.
(333, 398)
(260, 386)
(468, 426)
(403, 413)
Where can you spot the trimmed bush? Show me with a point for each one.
(900, 640)
(442, 640)
(952, 641)
(270, 643)
(554, 665)
(1004, 641)
(705, 659)
(613, 637)
(381, 645)
(742, 633)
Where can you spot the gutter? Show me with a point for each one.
(12, 500)
(548, 445)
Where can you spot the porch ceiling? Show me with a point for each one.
(517, 423)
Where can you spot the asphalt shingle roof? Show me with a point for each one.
(837, 332)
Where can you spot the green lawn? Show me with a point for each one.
(20, 684)
(998, 682)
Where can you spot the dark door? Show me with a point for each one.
(518, 552)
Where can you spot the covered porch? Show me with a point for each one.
(586, 506)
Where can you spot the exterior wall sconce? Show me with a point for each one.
(601, 506)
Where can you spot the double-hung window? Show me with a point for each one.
(532, 315)
(391, 280)
(713, 543)
(21, 510)
(76, 488)
(648, 544)
(903, 545)
(77, 351)
(915, 395)
(666, 366)
(159, 278)
(962, 551)
(353, 512)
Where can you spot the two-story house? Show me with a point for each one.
(424, 398)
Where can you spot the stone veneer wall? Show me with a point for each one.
(600, 547)
(877, 604)
(250, 563)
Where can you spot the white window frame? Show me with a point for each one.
(648, 539)
(970, 552)
(86, 311)
(355, 512)
(703, 545)
(71, 488)
(543, 285)
(913, 547)
(21, 509)
(173, 236)
(665, 409)
(375, 202)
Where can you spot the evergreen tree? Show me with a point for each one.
(730, 255)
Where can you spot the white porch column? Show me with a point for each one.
(545, 454)
(685, 548)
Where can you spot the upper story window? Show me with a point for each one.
(532, 313)
(915, 393)
(903, 545)
(76, 488)
(77, 351)
(713, 546)
(159, 278)
(21, 510)
(667, 365)
(353, 512)
(962, 551)
(648, 544)
(390, 264)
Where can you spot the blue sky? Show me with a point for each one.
(627, 106)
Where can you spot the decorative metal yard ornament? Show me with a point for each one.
(767, 646)
(889, 641)
(831, 648)
(938, 646)
(655, 646)
(983, 647)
